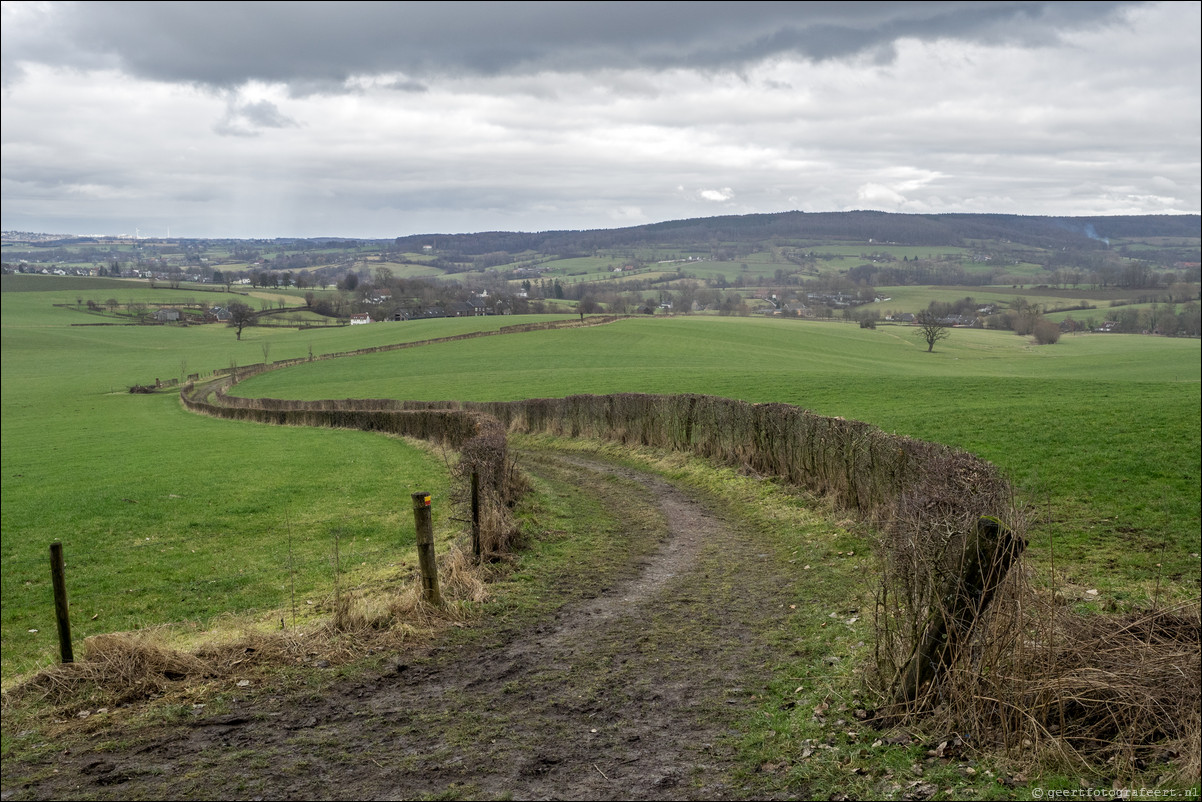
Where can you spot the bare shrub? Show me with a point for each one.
(500, 485)
(1045, 331)
(1108, 694)
(945, 553)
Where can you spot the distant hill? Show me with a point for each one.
(861, 226)
(785, 228)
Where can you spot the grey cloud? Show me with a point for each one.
(320, 45)
(407, 86)
(245, 119)
(522, 116)
(265, 114)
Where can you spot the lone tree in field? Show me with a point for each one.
(241, 316)
(931, 328)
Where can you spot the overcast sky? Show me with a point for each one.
(384, 119)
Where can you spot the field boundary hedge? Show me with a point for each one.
(859, 466)
(478, 436)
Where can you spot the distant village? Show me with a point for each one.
(339, 282)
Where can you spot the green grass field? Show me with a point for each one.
(914, 299)
(166, 516)
(1100, 433)
(172, 517)
(407, 269)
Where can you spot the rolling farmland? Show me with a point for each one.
(126, 477)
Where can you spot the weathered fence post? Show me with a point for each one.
(476, 548)
(962, 599)
(423, 521)
(61, 612)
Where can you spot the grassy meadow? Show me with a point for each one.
(166, 516)
(1100, 433)
(171, 517)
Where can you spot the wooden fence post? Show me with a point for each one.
(423, 521)
(962, 599)
(476, 548)
(61, 612)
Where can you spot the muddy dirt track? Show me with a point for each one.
(634, 693)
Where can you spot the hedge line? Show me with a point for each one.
(860, 466)
(454, 427)
(880, 475)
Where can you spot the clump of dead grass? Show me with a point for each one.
(1116, 691)
(126, 668)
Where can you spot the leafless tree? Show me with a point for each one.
(931, 329)
(241, 316)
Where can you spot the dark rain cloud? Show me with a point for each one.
(317, 46)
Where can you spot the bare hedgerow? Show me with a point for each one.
(1110, 694)
(947, 551)
(500, 484)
